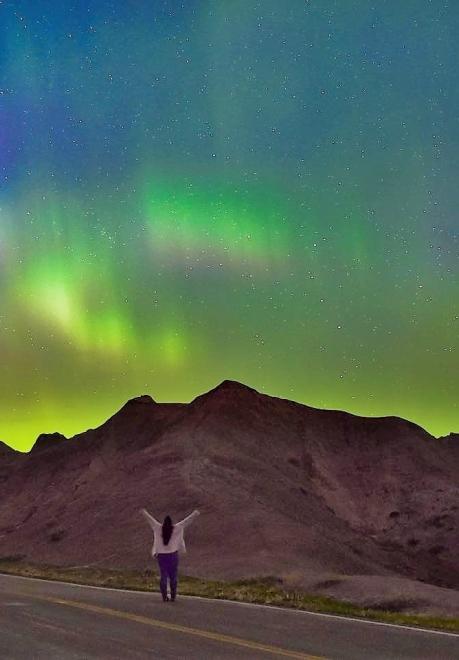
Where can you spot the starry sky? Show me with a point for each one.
(256, 190)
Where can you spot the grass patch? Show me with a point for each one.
(264, 590)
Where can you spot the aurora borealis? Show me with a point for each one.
(255, 190)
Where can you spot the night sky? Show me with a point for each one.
(193, 191)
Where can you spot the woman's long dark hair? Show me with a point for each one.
(167, 530)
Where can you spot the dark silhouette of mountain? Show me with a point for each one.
(46, 440)
(5, 449)
(283, 488)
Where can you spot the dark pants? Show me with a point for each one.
(168, 565)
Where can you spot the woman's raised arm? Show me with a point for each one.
(151, 521)
(186, 521)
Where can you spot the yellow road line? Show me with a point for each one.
(178, 628)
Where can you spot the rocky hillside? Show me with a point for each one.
(283, 489)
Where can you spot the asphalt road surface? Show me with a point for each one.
(42, 620)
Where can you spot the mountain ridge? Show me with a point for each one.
(230, 389)
(285, 489)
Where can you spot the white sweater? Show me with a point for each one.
(176, 541)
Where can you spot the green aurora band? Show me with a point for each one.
(194, 204)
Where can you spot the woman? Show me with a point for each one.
(166, 546)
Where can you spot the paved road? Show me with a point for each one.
(57, 621)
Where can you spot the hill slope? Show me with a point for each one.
(284, 489)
